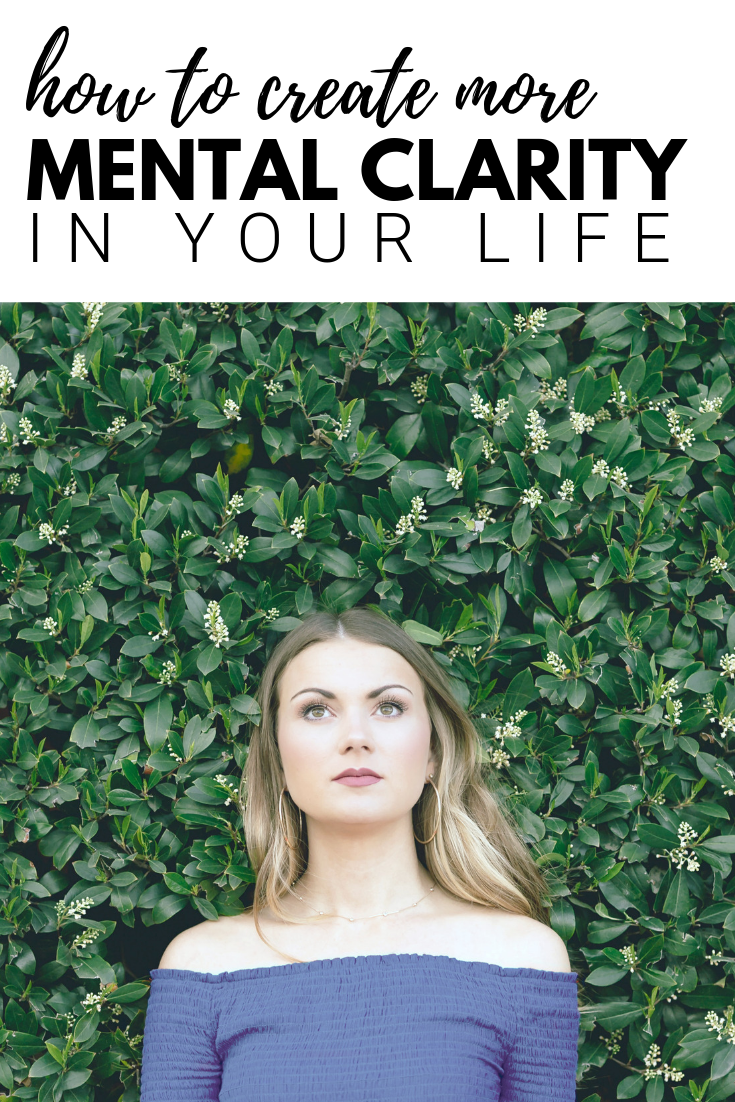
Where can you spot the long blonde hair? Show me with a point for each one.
(475, 855)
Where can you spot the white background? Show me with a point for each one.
(661, 70)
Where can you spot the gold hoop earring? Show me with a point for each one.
(439, 813)
(280, 817)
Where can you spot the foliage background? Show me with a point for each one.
(124, 721)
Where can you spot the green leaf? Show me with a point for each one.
(654, 1090)
(707, 996)
(96, 605)
(617, 440)
(223, 338)
(657, 837)
(530, 825)
(633, 374)
(548, 461)
(436, 429)
(630, 1087)
(561, 318)
(519, 693)
(518, 470)
(522, 528)
(591, 606)
(29, 541)
(139, 645)
(284, 623)
(345, 314)
(246, 705)
(85, 731)
(344, 593)
(46, 1065)
(677, 898)
(723, 1061)
(197, 737)
(616, 1014)
(9, 358)
(170, 338)
(403, 434)
(128, 993)
(562, 918)
(131, 771)
(721, 1090)
(722, 843)
(656, 426)
(209, 659)
(157, 720)
(584, 393)
(173, 468)
(723, 501)
(703, 681)
(605, 975)
(167, 907)
(230, 609)
(576, 693)
(249, 346)
(422, 634)
(702, 450)
(337, 562)
(560, 583)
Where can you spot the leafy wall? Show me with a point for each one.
(541, 496)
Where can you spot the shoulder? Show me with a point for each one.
(194, 949)
(517, 941)
(210, 946)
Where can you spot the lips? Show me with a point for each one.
(358, 782)
(363, 772)
(357, 778)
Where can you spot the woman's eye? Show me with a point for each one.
(387, 708)
(317, 711)
(389, 705)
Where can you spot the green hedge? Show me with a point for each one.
(541, 496)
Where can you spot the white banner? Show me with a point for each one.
(338, 152)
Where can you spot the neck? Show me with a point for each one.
(360, 874)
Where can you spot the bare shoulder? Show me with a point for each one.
(224, 945)
(195, 949)
(517, 941)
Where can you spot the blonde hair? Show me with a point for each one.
(476, 854)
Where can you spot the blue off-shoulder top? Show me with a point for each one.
(412, 1027)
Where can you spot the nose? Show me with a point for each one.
(356, 730)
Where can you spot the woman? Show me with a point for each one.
(421, 966)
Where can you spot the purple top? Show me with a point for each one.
(397, 1026)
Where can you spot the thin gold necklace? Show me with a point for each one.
(383, 914)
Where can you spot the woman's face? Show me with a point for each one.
(348, 705)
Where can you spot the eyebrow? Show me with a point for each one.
(370, 696)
